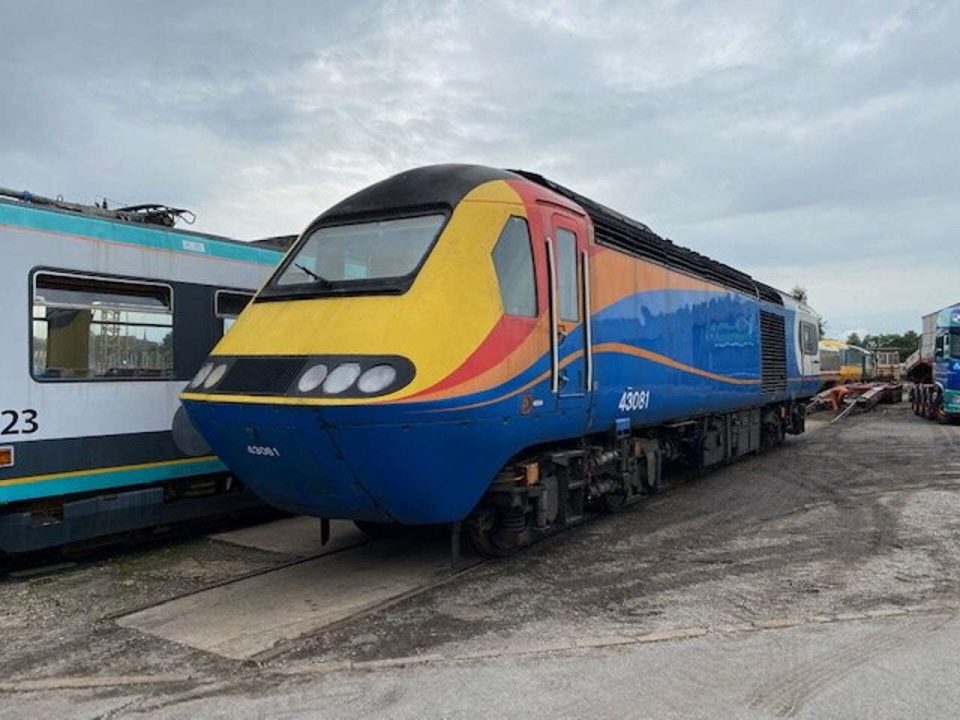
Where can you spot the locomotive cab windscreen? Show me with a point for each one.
(380, 255)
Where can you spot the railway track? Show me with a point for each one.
(260, 614)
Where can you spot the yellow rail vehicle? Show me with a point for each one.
(842, 363)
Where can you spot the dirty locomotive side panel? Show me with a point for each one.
(104, 320)
(490, 346)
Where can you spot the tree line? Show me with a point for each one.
(905, 344)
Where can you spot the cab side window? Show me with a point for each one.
(808, 338)
(513, 260)
(953, 344)
(567, 275)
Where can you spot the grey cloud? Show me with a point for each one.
(788, 139)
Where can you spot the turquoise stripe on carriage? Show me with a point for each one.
(19, 215)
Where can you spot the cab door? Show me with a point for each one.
(809, 349)
(571, 330)
(941, 349)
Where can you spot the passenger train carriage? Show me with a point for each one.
(464, 342)
(106, 315)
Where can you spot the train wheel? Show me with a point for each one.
(651, 486)
(498, 534)
(938, 412)
(613, 502)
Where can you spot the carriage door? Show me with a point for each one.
(571, 344)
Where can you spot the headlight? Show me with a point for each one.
(201, 375)
(342, 377)
(312, 378)
(215, 376)
(377, 378)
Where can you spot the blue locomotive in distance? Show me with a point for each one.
(465, 343)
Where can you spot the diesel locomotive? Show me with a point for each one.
(459, 342)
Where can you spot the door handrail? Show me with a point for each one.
(554, 329)
(587, 320)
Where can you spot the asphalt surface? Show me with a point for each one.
(821, 579)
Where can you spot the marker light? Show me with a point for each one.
(342, 377)
(201, 375)
(6, 456)
(312, 378)
(215, 376)
(377, 378)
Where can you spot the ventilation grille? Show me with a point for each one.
(261, 376)
(773, 345)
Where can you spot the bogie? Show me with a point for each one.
(542, 495)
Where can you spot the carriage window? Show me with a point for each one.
(808, 338)
(513, 260)
(567, 275)
(230, 305)
(88, 328)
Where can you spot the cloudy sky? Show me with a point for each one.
(810, 143)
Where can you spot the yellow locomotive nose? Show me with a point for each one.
(421, 288)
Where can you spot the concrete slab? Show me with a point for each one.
(250, 616)
(295, 536)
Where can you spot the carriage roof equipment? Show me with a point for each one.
(147, 213)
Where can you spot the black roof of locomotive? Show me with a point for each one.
(631, 236)
(424, 187)
(446, 185)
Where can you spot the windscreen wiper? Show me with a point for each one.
(316, 278)
(307, 271)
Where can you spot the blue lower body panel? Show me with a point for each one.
(296, 459)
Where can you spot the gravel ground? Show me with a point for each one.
(765, 589)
